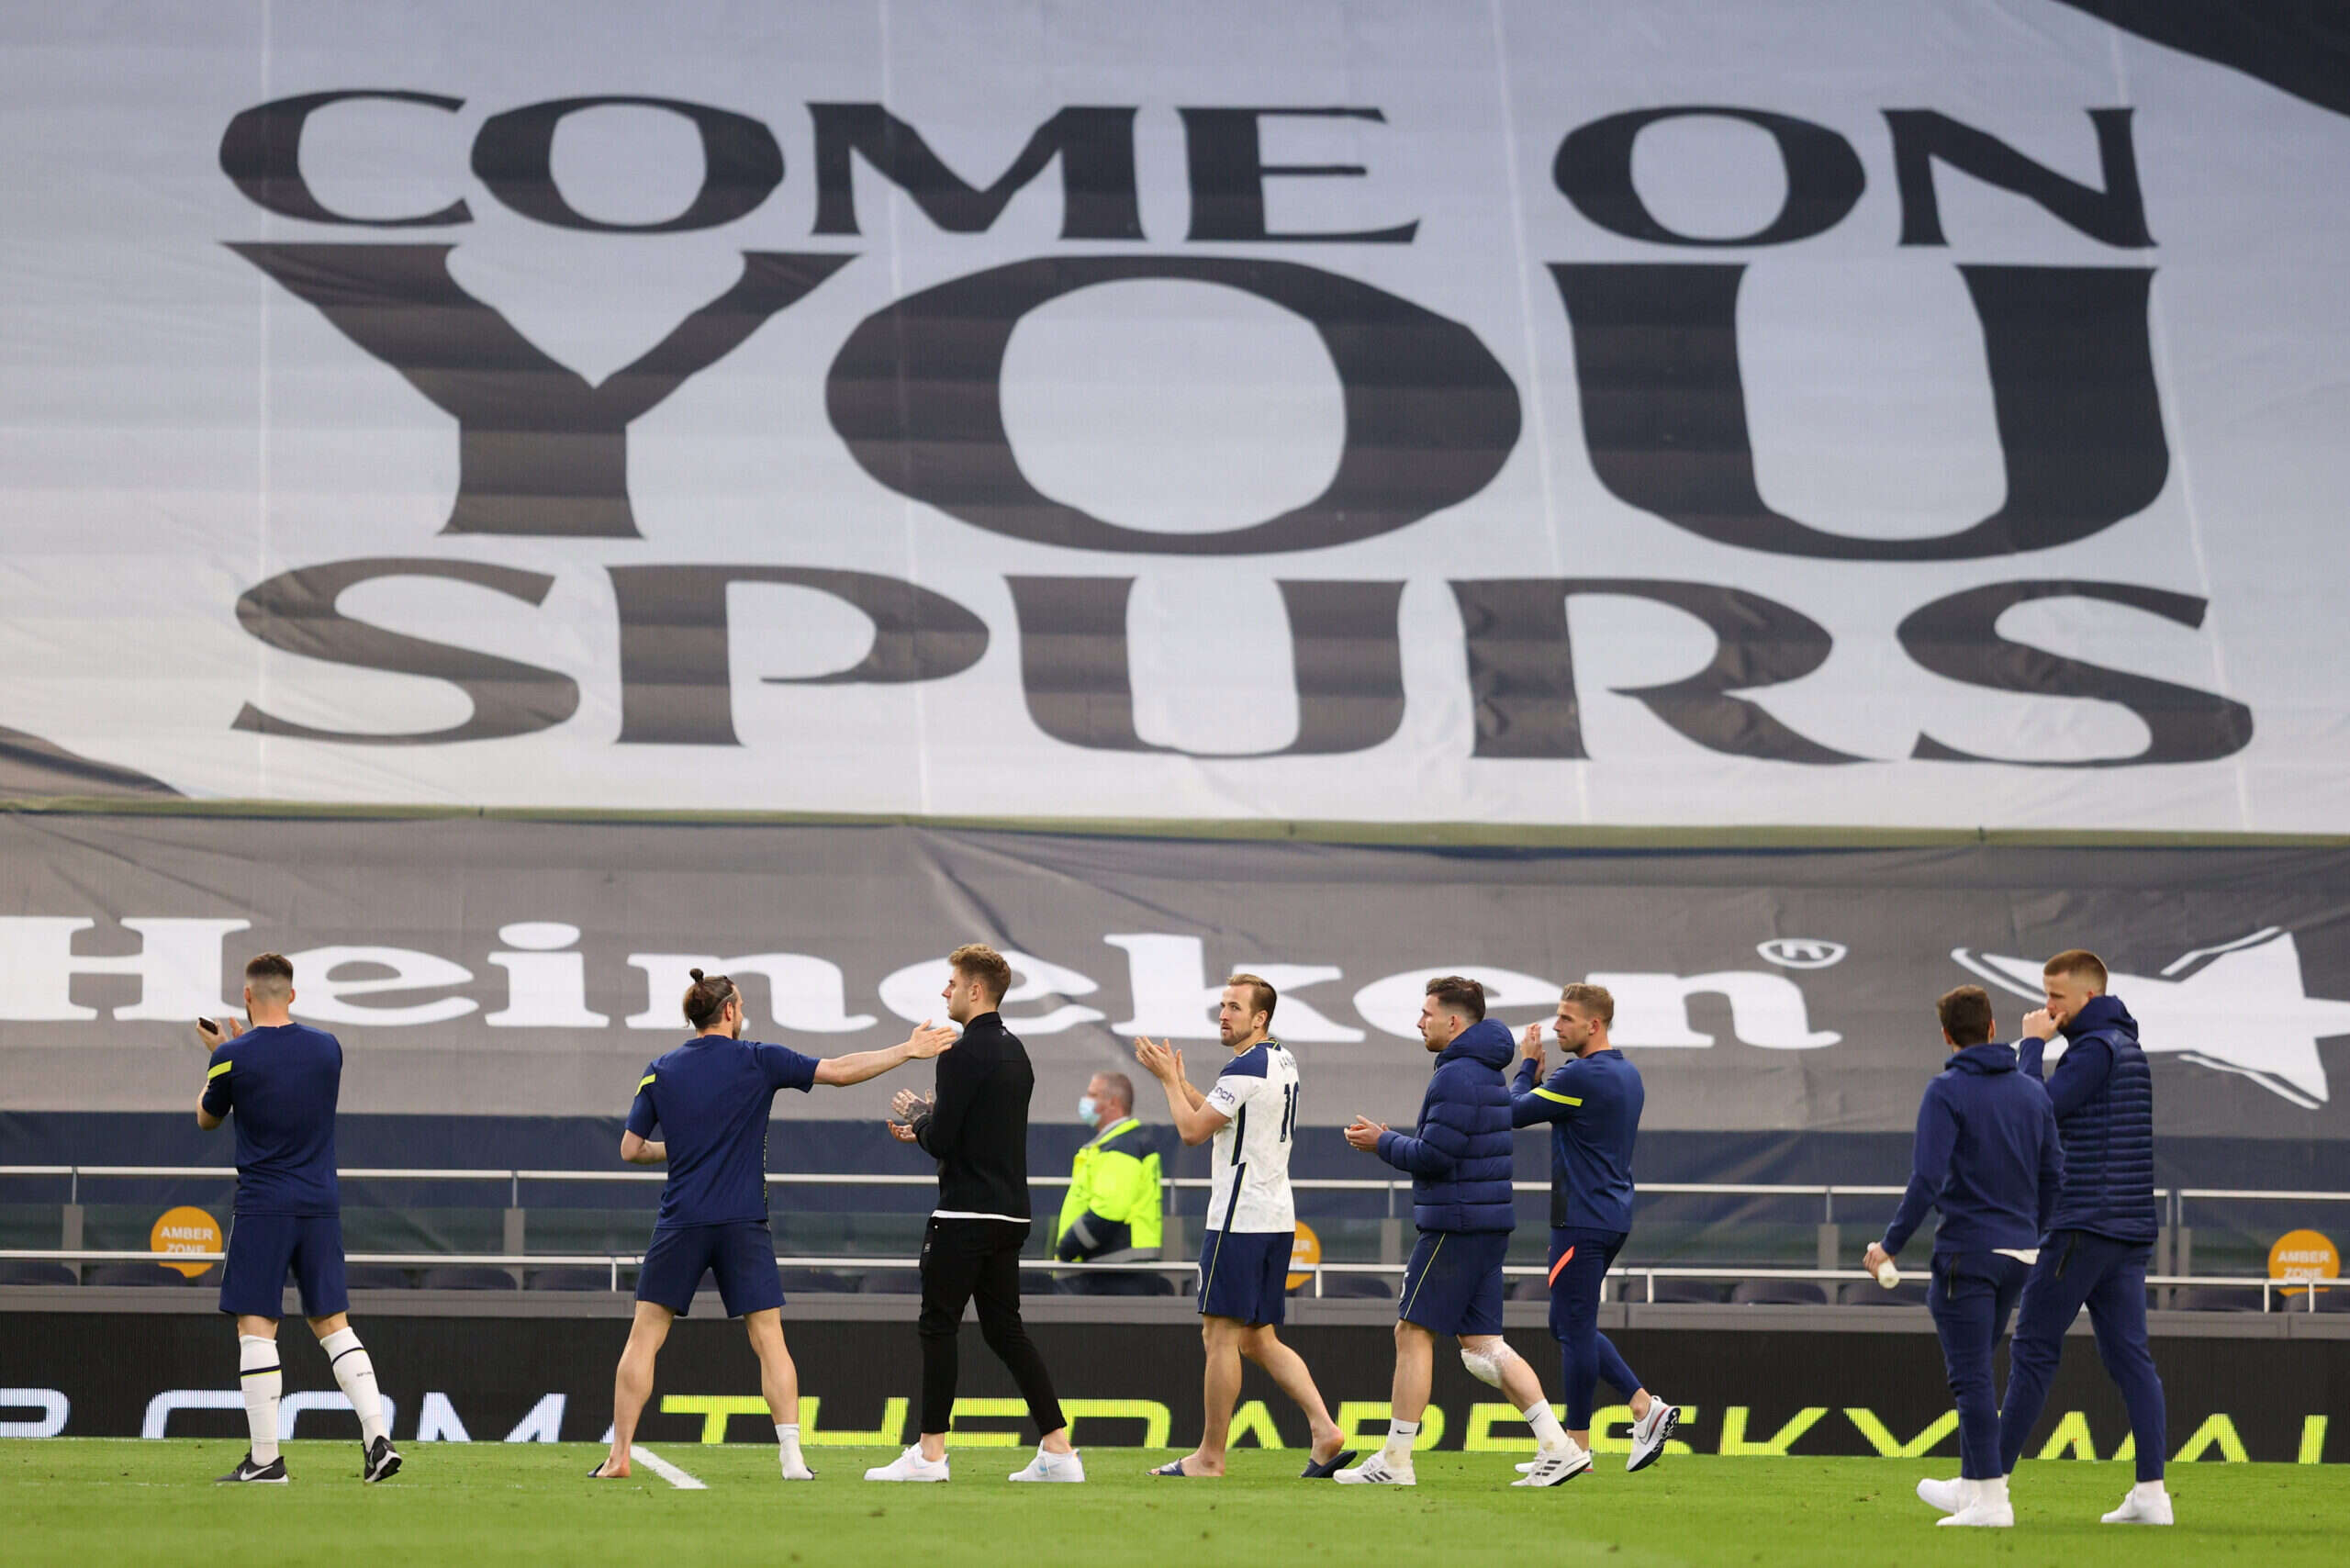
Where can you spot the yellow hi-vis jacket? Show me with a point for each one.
(1114, 1208)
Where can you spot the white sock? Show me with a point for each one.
(1399, 1442)
(356, 1374)
(2148, 1491)
(1550, 1436)
(1992, 1490)
(262, 1382)
(787, 1443)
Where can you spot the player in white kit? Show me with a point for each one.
(1251, 1114)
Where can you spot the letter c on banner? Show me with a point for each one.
(261, 152)
(916, 392)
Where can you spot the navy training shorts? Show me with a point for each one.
(1453, 1283)
(264, 1248)
(1245, 1275)
(741, 1255)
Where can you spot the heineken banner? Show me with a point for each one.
(1528, 412)
(483, 966)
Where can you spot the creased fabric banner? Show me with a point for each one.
(479, 966)
(1645, 413)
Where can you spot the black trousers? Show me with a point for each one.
(977, 1259)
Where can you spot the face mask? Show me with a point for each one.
(1088, 1112)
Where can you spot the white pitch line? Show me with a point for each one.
(665, 1470)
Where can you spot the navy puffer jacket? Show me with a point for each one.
(1460, 1159)
(2104, 1097)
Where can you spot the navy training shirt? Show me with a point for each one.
(710, 1098)
(1593, 1105)
(281, 1082)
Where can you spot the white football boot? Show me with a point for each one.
(1051, 1467)
(1377, 1470)
(1947, 1497)
(1986, 1507)
(1550, 1468)
(2146, 1504)
(1649, 1434)
(910, 1466)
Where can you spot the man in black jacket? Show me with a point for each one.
(976, 1126)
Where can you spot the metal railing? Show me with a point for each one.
(1827, 1193)
(1645, 1275)
(2175, 1247)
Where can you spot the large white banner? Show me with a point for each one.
(1926, 414)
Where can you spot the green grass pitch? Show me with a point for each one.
(104, 1502)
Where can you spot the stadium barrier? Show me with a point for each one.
(2174, 1251)
(1797, 1383)
(1634, 1284)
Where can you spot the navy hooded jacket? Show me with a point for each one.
(2104, 1096)
(1459, 1160)
(1986, 1157)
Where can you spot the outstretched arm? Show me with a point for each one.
(857, 1066)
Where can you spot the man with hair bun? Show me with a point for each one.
(976, 1126)
(710, 1099)
(1464, 1206)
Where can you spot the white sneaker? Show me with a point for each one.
(1377, 1470)
(1949, 1496)
(1552, 1468)
(2140, 1507)
(796, 1468)
(910, 1466)
(1649, 1432)
(1983, 1511)
(1051, 1467)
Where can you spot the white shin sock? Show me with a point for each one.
(1398, 1450)
(356, 1374)
(262, 1382)
(1548, 1433)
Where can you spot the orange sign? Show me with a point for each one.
(1304, 1253)
(2303, 1255)
(185, 1229)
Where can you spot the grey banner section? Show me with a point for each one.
(477, 965)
